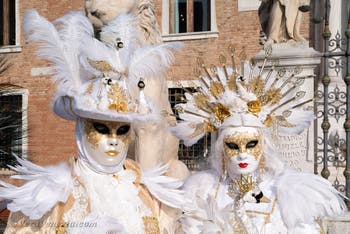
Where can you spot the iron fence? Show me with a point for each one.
(332, 100)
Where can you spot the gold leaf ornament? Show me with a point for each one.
(254, 107)
(221, 112)
(118, 98)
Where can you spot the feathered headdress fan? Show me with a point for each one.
(250, 97)
(94, 79)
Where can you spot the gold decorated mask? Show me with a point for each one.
(106, 142)
(243, 142)
(97, 131)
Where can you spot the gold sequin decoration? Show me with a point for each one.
(241, 139)
(151, 225)
(94, 137)
(118, 97)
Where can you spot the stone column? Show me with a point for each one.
(298, 150)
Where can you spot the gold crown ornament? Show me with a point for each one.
(249, 96)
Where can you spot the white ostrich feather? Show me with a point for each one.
(164, 188)
(123, 27)
(301, 119)
(182, 130)
(303, 197)
(202, 213)
(43, 189)
(76, 31)
(65, 61)
(96, 50)
(150, 61)
(72, 26)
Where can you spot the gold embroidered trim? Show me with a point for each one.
(151, 225)
(267, 214)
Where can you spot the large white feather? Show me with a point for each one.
(303, 197)
(183, 130)
(123, 28)
(150, 61)
(76, 32)
(43, 189)
(202, 213)
(164, 188)
(65, 61)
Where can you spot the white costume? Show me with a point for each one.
(100, 86)
(249, 189)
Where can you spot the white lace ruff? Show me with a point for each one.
(114, 196)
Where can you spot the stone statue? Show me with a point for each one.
(281, 19)
(153, 143)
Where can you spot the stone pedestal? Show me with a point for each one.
(339, 225)
(298, 150)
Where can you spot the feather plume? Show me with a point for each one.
(44, 187)
(65, 61)
(202, 212)
(124, 28)
(164, 188)
(149, 61)
(303, 197)
(183, 130)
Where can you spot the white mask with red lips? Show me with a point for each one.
(242, 150)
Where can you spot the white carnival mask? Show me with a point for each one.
(107, 143)
(242, 150)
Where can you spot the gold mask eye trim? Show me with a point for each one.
(241, 139)
(94, 137)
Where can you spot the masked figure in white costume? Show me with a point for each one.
(101, 88)
(249, 190)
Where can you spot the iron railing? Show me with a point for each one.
(332, 100)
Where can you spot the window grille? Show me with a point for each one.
(11, 128)
(195, 156)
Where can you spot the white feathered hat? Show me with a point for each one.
(98, 80)
(250, 97)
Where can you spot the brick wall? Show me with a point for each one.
(51, 139)
(241, 29)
